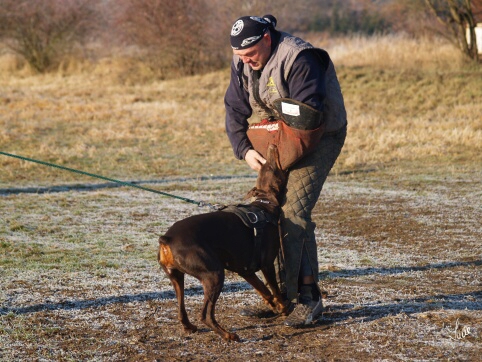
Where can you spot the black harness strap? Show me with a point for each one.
(256, 219)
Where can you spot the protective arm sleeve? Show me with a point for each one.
(307, 80)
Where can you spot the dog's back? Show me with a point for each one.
(198, 238)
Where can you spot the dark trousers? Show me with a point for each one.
(306, 178)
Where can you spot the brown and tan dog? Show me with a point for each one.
(205, 245)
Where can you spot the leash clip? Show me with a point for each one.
(211, 206)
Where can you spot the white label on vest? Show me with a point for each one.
(290, 109)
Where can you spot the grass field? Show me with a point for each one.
(422, 111)
(399, 229)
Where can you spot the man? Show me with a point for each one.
(268, 65)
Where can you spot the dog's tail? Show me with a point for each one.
(165, 240)
(164, 254)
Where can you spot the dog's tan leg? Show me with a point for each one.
(213, 284)
(262, 290)
(270, 276)
(177, 281)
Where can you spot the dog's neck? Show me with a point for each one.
(263, 200)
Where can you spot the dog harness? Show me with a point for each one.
(255, 218)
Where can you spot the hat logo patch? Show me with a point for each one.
(248, 41)
(237, 28)
(258, 19)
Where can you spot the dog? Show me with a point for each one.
(204, 245)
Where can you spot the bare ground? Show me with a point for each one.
(400, 259)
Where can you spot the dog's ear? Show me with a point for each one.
(273, 157)
(251, 193)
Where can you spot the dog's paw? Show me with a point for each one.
(231, 337)
(190, 328)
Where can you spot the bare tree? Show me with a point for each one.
(180, 36)
(44, 32)
(293, 16)
(457, 16)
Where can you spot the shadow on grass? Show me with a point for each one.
(122, 299)
(371, 311)
(108, 185)
(347, 273)
(334, 313)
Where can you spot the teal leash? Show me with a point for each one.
(198, 203)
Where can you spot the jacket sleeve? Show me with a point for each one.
(306, 80)
(238, 110)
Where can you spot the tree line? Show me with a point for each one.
(182, 37)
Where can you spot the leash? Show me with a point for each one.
(130, 184)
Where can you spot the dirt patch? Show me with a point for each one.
(401, 263)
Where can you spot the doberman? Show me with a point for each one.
(204, 245)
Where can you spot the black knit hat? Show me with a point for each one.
(248, 30)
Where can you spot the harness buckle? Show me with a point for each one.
(252, 216)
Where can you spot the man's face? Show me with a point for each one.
(258, 55)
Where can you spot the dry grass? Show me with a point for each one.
(408, 100)
(94, 124)
(397, 51)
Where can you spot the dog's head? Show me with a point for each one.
(271, 179)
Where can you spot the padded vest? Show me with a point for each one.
(273, 85)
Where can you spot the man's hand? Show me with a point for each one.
(254, 160)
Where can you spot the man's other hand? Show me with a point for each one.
(254, 160)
